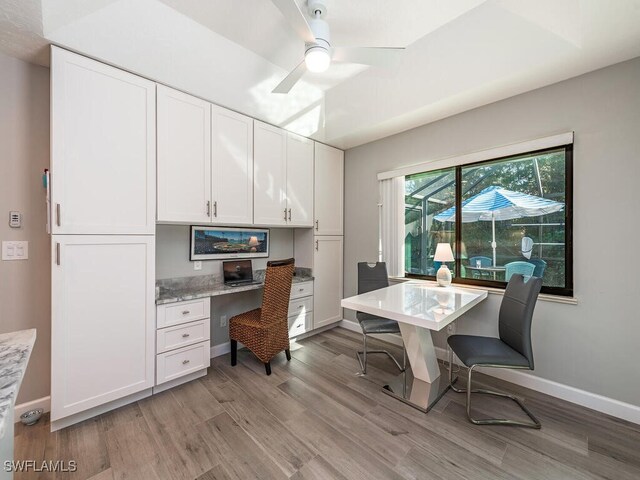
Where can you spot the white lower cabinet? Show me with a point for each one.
(182, 341)
(300, 308)
(183, 361)
(327, 272)
(102, 326)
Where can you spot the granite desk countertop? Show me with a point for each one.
(173, 290)
(15, 349)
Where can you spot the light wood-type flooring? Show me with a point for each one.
(314, 418)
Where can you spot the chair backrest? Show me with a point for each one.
(484, 261)
(516, 313)
(523, 268)
(372, 276)
(539, 266)
(277, 290)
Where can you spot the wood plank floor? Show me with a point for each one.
(314, 418)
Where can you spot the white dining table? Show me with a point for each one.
(419, 308)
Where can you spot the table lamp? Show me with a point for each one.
(443, 254)
(253, 243)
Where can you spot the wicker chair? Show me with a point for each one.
(265, 330)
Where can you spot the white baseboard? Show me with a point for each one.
(43, 403)
(600, 403)
(219, 350)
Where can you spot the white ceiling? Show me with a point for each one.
(460, 54)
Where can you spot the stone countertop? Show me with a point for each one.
(189, 288)
(15, 349)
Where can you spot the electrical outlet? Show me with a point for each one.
(197, 265)
(223, 320)
(451, 329)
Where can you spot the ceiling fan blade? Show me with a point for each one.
(376, 56)
(290, 80)
(295, 17)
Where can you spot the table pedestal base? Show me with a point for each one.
(418, 393)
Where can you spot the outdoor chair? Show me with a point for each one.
(522, 268)
(484, 262)
(539, 265)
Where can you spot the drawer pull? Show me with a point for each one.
(186, 312)
(185, 335)
(301, 289)
(300, 306)
(184, 362)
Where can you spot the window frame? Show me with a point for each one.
(568, 289)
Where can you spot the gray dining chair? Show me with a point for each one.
(512, 350)
(373, 277)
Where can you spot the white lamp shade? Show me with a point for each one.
(443, 253)
(253, 241)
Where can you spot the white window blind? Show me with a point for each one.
(392, 225)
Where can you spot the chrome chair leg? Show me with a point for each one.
(535, 423)
(362, 356)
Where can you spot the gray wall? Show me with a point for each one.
(172, 260)
(25, 286)
(591, 345)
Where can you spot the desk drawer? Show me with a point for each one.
(181, 362)
(299, 324)
(300, 305)
(183, 312)
(303, 289)
(182, 335)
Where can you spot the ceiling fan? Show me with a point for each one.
(318, 50)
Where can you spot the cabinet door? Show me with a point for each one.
(327, 284)
(269, 175)
(329, 190)
(299, 180)
(103, 156)
(184, 157)
(232, 167)
(102, 327)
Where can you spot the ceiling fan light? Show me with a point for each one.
(317, 59)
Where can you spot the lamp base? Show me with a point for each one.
(443, 276)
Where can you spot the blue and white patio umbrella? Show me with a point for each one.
(497, 203)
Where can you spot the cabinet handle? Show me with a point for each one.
(208, 208)
(285, 214)
(186, 312)
(300, 306)
(301, 289)
(57, 253)
(185, 335)
(316, 245)
(289, 214)
(58, 221)
(215, 209)
(316, 225)
(184, 362)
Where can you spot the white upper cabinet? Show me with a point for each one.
(231, 167)
(184, 157)
(329, 194)
(269, 175)
(299, 181)
(103, 143)
(283, 177)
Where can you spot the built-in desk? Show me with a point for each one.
(183, 321)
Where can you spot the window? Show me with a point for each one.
(503, 216)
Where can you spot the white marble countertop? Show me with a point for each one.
(15, 349)
(190, 288)
(417, 303)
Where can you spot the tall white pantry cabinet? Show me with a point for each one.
(103, 157)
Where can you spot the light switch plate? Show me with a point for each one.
(15, 250)
(197, 265)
